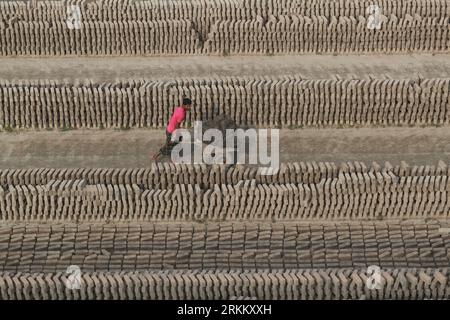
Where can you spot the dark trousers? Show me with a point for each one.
(169, 141)
(168, 138)
(168, 145)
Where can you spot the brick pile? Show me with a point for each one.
(259, 101)
(149, 27)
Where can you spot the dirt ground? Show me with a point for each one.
(309, 66)
(133, 148)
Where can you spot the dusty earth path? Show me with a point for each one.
(308, 66)
(133, 148)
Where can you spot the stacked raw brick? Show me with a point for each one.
(234, 26)
(291, 285)
(204, 11)
(260, 101)
(301, 34)
(52, 247)
(168, 192)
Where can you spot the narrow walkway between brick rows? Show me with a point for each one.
(308, 66)
(133, 148)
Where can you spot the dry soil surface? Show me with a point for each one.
(308, 66)
(133, 148)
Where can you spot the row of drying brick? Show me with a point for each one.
(111, 10)
(202, 285)
(205, 12)
(350, 196)
(285, 101)
(99, 38)
(243, 245)
(282, 34)
(165, 175)
(297, 34)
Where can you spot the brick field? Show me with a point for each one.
(364, 116)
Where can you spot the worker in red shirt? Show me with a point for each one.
(178, 116)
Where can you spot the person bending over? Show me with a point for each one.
(178, 116)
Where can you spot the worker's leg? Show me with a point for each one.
(168, 138)
(168, 145)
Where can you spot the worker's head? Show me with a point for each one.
(187, 104)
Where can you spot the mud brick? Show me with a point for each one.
(22, 287)
(92, 284)
(169, 285)
(5, 282)
(18, 285)
(140, 286)
(41, 286)
(147, 288)
(88, 287)
(287, 285)
(108, 285)
(105, 285)
(192, 282)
